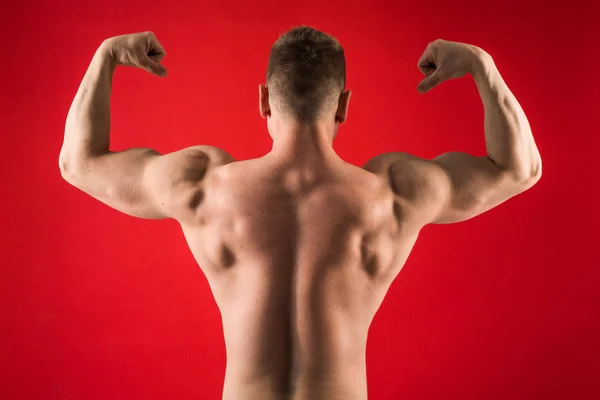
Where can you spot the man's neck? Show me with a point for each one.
(303, 144)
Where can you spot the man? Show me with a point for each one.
(298, 246)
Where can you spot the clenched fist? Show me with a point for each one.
(443, 60)
(140, 50)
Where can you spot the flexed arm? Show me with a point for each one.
(513, 163)
(508, 137)
(457, 186)
(139, 182)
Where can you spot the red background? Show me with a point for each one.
(98, 305)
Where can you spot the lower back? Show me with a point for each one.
(347, 384)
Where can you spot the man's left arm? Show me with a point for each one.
(139, 182)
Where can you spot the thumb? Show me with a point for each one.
(430, 82)
(154, 67)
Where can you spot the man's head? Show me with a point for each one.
(306, 77)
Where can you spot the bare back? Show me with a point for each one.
(298, 267)
(298, 259)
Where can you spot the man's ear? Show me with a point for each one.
(263, 101)
(342, 110)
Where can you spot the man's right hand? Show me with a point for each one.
(444, 60)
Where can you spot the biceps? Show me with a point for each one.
(469, 186)
(120, 180)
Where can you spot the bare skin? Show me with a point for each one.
(299, 247)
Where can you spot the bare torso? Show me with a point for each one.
(299, 263)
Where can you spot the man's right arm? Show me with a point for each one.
(457, 186)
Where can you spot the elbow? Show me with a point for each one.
(65, 168)
(536, 172)
(69, 170)
(528, 177)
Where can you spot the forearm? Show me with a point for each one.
(509, 140)
(87, 126)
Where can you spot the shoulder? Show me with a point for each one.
(395, 166)
(178, 178)
(191, 164)
(381, 163)
(188, 164)
(415, 180)
(214, 155)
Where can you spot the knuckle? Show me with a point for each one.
(433, 45)
(437, 43)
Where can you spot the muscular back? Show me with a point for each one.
(299, 264)
(298, 259)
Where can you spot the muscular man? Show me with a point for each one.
(299, 247)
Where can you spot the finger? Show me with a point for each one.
(154, 67)
(426, 61)
(158, 57)
(430, 82)
(156, 49)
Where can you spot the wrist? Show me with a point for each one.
(105, 54)
(482, 64)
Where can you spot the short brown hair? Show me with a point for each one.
(306, 72)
